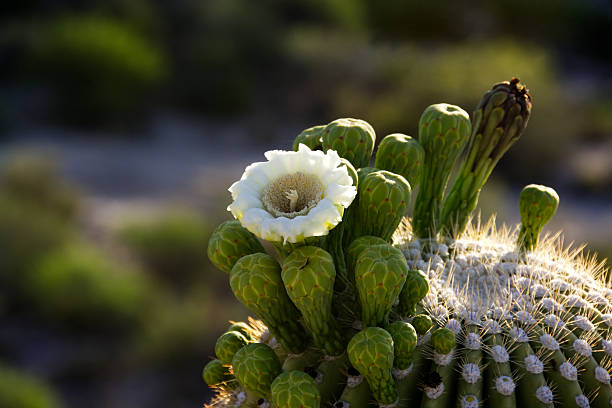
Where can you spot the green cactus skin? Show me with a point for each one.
(537, 205)
(311, 137)
(356, 248)
(310, 358)
(408, 382)
(350, 219)
(255, 367)
(380, 273)
(356, 394)
(499, 120)
(470, 386)
(404, 343)
(371, 352)
(353, 139)
(217, 374)
(414, 290)
(497, 370)
(422, 323)
(295, 389)
(443, 340)
(402, 155)
(331, 375)
(229, 242)
(228, 344)
(528, 382)
(256, 282)
(242, 328)
(383, 200)
(309, 273)
(443, 132)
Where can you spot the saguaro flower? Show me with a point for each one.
(292, 196)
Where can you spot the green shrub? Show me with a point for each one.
(18, 390)
(81, 288)
(26, 235)
(34, 179)
(99, 68)
(173, 246)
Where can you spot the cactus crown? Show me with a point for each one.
(436, 311)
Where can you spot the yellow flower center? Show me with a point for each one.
(292, 195)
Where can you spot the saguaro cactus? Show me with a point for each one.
(465, 320)
(353, 139)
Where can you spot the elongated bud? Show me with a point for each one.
(255, 367)
(443, 132)
(353, 139)
(537, 205)
(414, 290)
(383, 199)
(230, 242)
(499, 120)
(404, 343)
(309, 273)
(380, 273)
(256, 282)
(311, 137)
(371, 353)
(402, 155)
(295, 389)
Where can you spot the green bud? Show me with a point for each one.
(414, 290)
(404, 343)
(402, 155)
(256, 282)
(255, 367)
(217, 374)
(309, 273)
(499, 120)
(537, 205)
(353, 139)
(443, 340)
(443, 132)
(356, 248)
(228, 344)
(230, 242)
(383, 200)
(295, 389)
(371, 353)
(380, 273)
(422, 323)
(311, 137)
(242, 328)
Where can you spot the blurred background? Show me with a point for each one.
(123, 122)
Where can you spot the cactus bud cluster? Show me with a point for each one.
(429, 312)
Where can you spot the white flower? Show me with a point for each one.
(292, 196)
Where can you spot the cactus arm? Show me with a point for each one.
(356, 393)
(529, 380)
(498, 374)
(408, 380)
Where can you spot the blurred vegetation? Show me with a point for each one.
(83, 289)
(172, 246)
(99, 68)
(19, 390)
